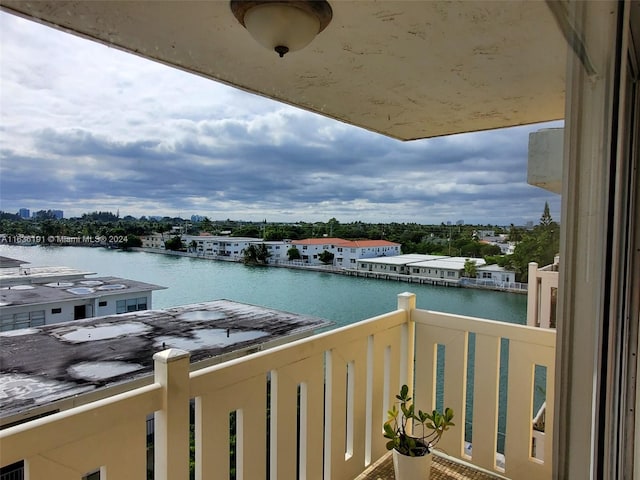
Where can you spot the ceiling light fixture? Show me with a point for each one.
(283, 25)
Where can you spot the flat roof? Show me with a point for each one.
(62, 291)
(84, 356)
(450, 263)
(221, 239)
(7, 262)
(12, 275)
(401, 259)
(493, 268)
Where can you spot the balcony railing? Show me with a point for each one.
(313, 408)
(542, 295)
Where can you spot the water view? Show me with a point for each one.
(338, 298)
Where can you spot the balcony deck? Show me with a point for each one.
(441, 469)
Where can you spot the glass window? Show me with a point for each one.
(36, 318)
(121, 306)
(142, 303)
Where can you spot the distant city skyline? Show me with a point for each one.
(90, 128)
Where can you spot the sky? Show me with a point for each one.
(85, 127)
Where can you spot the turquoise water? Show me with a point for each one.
(338, 298)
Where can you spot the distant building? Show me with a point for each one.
(155, 240)
(221, 246)
(197, 218)
(346, 252)
(429, 266)
(36, 296)
(24, 213)
(495, 275)
(59, 214)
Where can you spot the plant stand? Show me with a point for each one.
(411, 468)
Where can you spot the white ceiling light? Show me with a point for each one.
(283, 26)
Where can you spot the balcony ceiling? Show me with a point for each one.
(409, 70)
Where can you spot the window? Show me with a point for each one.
(486, 274)
(56, 310)
(102, 303)
(131, 305)
(21, 320)
(451, 274)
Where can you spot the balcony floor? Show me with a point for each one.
(441, 469)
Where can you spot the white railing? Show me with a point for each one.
(542, 295)
(528, 348)
(313, 408)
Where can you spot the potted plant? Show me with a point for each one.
(411, 449)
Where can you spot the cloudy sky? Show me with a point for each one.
(85, 127)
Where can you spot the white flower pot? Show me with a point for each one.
(411, 468)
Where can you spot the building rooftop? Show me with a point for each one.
(492, 268)
(407, 259)
(448, 262)
(84, 356)
(12, 272)
(6, 262)
(63, 290)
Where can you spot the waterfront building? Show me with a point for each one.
(399, 264)
(346, 252)
(155, 240)
(36, 296)
(499, 64)
(226, 247)
(445, 268)
(495, 275)
(278, 250)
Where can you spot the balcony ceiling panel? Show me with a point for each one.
(409, 70)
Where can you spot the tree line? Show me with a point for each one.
(538, 244)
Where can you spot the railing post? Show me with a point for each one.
(171, 436)
(407, 302)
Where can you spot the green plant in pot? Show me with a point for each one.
(411, 448)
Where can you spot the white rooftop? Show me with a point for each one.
(450, 263)
(401, 259)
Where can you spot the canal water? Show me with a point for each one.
(341, 299)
